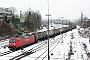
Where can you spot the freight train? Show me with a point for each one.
(19, 42)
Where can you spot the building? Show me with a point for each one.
(5, 12)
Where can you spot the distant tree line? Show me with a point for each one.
(9, 26)
(31, 20)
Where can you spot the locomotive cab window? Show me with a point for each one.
(12, 41)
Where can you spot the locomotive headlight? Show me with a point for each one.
(13, 43)
(9, 43)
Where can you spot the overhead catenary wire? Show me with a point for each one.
(54, 48)
(77, 12)
(41, 55)
(43, 52)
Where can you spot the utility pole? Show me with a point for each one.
(82, 18)
(62, 28)
(48, 28)
(20, 18)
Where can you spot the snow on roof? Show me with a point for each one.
(44, 29)
(81, 28)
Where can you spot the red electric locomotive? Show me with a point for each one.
(18, 42)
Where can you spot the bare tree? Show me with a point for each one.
(13, 9)
(33, 19)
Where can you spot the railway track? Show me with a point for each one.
(58, 39)
(85, 50)
(5, 53)
(8, 52)
(30, 51)
(4, 44)
(34, 49)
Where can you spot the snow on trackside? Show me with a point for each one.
(60, 52)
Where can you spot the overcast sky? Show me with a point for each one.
(68, 8)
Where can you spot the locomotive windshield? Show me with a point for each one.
(12, 41)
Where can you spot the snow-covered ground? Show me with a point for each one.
(59, 50)
(4, 43)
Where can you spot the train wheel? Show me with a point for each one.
(21, 48)
(12, 49)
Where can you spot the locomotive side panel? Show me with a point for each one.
(25, 41)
